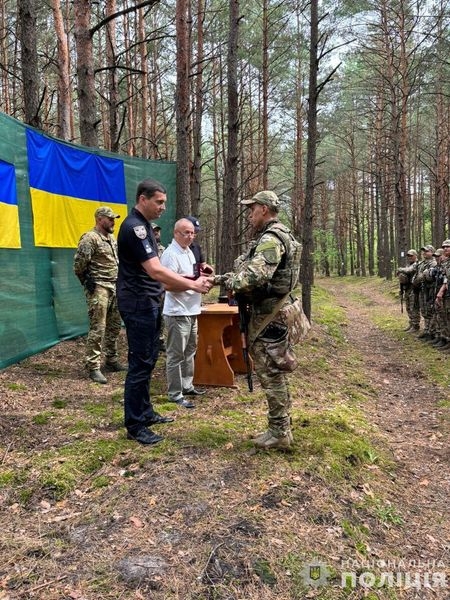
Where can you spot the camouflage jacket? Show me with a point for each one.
(270, 268)
(97, 257)
(445, 267)
(422, 275)
(409, 271)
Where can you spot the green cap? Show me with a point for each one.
(105, 211)
(267, 198)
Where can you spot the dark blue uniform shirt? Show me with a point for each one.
(136, 290)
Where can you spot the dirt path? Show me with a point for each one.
(409, 412)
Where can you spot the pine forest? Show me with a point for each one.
(342, 108)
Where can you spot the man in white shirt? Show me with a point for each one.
(180, 318)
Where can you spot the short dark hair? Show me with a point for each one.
(149, 187)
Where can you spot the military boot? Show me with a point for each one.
(439, 343)
(97, 376)
(424, 336)
(115, 366)
(259, 438)
(276, 443)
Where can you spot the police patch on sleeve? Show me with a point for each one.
(140, 232)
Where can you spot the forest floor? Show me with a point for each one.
(87, 515)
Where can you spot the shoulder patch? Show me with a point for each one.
(140, 232)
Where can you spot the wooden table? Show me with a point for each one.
(219, 351)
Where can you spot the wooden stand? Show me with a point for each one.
(219, 351)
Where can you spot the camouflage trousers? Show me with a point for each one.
(446, 318)
(437, 323)
(275, 384)
(426, 303)
(412, 307)
(104, 327)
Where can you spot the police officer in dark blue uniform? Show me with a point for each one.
(139, 287)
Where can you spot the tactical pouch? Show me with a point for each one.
(276, 341)
(295, 320)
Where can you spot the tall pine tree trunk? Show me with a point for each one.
(183, 206)
(230, 200)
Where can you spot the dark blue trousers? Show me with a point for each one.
(142, 327)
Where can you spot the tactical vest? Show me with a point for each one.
(286, 275)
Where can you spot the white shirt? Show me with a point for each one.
(181, 261)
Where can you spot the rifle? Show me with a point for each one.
(402, 294)
(244, 318)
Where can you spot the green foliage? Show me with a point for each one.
(42, 418)
(59, 403)
(16, 387)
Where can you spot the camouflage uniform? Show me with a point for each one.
(411, 294)
(445, 292)
(96, 266)
(264, 275)
(437, 320)
(426, 301)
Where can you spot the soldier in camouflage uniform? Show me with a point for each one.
(426, 300)
(437, 320)
(96, 266)
(263, 276)
(443, 295)
(157, 231)
(405, 275)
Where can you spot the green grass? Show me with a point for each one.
(60, 403)
(42, 418)
(16, 387)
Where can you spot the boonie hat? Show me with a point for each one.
(411, 252)
(105, 211)
(155, 226)
(439, 252)
(445, 243)
(195, 222)
(266, 198)
(429, 248)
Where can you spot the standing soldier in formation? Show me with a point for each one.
(96, 266)
(437, 324)
(443, 296)
(410, 293)
(264, 276)
(423, 277)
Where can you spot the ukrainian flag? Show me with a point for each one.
(67, 185)
(9, 208)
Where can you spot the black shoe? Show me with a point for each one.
(145, 436)
(156, 419)
(185, 402)
(194, 392)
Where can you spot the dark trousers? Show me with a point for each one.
(142, 329)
